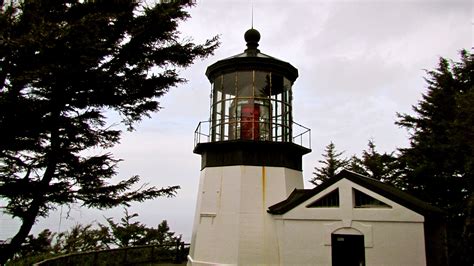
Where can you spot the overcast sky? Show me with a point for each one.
(359, 63)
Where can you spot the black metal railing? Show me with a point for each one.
(206, 132)
(167, 253)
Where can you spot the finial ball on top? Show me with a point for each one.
(252, 36)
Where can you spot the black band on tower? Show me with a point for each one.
(255, 153)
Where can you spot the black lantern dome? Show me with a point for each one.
(251, 101)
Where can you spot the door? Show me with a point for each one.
(347, 250)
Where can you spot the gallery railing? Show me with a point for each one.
(208, 131)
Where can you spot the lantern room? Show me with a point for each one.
(251, 105)
(251, 121)
(251, 96)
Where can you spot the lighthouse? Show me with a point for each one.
(251, 158)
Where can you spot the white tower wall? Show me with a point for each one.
(231, 223)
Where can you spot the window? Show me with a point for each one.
(362, 200)
(330, 200)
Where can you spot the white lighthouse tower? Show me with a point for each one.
(251, 154)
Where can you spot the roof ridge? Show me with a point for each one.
(384, 189)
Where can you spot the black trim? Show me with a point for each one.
(256, 153)
(252, 63)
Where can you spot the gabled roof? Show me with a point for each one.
(299, 196)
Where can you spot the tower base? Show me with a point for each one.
(231, 224)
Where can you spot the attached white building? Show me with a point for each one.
(252, 208)
(355, 218)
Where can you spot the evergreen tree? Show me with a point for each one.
(84, 238)
(65, 66)
(128, 233)
(38, 245)
(331, 165)
(383, 167)
(439, 164)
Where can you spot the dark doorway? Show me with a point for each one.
(347, 250)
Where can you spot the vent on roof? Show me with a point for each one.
(362, 200)
(330, 200)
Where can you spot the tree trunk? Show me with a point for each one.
(7, 251)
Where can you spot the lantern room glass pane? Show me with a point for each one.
(228, 83)
(286, 84)
(262, 84)
(217, 84)
(245, 84)
(277, 83)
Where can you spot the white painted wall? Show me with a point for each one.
(391, 236)
(231, 224)
(303, 242)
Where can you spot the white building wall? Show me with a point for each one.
(392, 236)
(231, 224)
(397, 244)
(302, 242)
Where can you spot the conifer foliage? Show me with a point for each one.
(439, 164)
(65, 65)
(440, 160)
(96, 237)
(379, 166)
(331, 165)
(130, 233)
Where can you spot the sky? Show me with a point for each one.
(359, 61)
